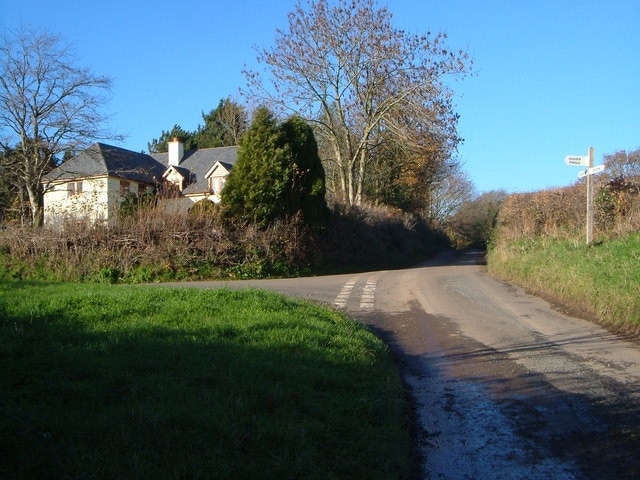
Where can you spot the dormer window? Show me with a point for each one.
(216, 184)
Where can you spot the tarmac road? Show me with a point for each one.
(504, 386)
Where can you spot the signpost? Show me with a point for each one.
(586, 161)
(577, 160)
(591, 171)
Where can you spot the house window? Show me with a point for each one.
(142, 188)
(124, 187)
(216, 184)
(74, 188)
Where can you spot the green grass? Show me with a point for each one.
(104, 381)
(601, 279)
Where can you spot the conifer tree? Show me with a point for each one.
(278, 173)
(257, 186)
(308, 177)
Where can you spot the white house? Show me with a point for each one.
(89, 187)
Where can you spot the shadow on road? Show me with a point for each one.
(479, 414)
(457, 257)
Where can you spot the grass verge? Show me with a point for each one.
(112, 381)
(601, 280)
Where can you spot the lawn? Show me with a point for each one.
(113, 381)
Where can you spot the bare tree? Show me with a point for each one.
(348, 69)
(48, 107)
(623, 165)
(449, 193)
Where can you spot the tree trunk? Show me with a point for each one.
(36, 207)
(361, 174)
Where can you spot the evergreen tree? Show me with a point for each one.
(308, 180)
(278, 173)
(256, 188)
(160, 145)
(223, 126)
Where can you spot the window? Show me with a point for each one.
(142, 188)
(125, 187)
(216, 184)
(74, 188)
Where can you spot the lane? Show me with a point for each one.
(507, 387)
(504, 386)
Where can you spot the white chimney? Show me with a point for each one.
(176, 152)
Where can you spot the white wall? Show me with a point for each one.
(98, 202)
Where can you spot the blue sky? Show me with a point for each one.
(552, 77)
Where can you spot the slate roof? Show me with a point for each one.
(199, 162)
(102, 159)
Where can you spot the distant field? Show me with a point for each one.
(103, 381)
(602, 279)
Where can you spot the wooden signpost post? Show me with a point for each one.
(586, 161)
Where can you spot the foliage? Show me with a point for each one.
(473, 223)
(256, 188)
(10, 192)
(161, 144)
(601, 280)
(127, 382)
(622, 164)
(561, 212)
(556, 212)
(618, 196)
(151, 246)
(131, 204)
(223, 127)
(203, 207)
(539, 244)
(308, 192)
(365, 238)
(278, 173)
(48, 106)
(364, 84)
(450, 192)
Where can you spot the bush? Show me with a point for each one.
(561, 212)
(151, 246)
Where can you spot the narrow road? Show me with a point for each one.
(504, 386)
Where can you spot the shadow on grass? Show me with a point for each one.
(210, 402)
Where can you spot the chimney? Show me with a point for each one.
(176, 151)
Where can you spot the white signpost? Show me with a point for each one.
(591, 171)
(577, 160)
(586, 161)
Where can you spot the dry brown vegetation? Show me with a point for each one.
(561, 212)
(539, 243)
(152, 247)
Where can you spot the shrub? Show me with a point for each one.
(152, 246)
(278, 174)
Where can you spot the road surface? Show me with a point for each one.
(504, 386)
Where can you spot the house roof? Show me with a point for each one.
(102, 159)
(199, 162)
